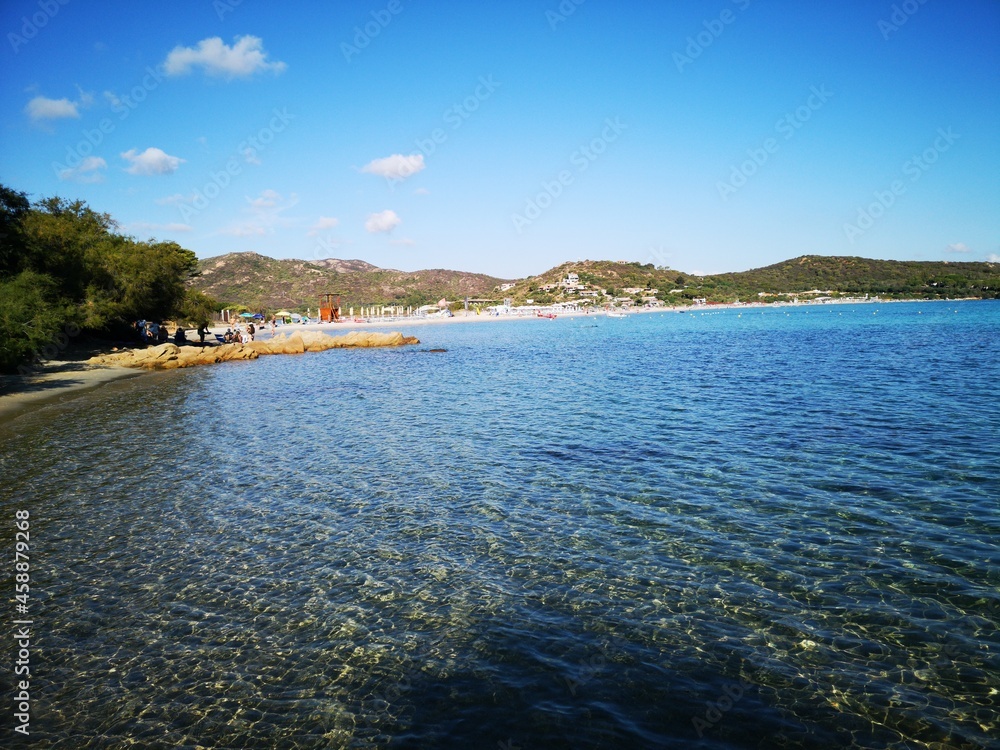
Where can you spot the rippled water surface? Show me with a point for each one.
(723, 530)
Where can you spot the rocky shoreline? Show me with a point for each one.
(171, 356)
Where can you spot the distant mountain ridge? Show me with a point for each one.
(259, 282)
(832, 275)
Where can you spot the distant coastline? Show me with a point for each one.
(68, 378)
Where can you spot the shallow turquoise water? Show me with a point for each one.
(719, 530)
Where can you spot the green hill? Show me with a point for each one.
(259, 282)
(835, 276)
(859, 276)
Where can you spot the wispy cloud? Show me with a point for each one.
(396, 167)
(176, 199)
(151, 161)
(88, 171)
(384, 221)
(265, 215)
(993, 258)
(324, 223)
(245, 58)
(958, 247)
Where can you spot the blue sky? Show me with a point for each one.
(508, 137)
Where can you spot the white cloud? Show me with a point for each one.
(43, 108)
(396, 167)
(151, 161)
(957, 247)
(324, 223)
(250, 156)
(87, 171)
(384, 221)
(242, 60)
(421, 191)
(993, 258)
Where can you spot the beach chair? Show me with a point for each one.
(220, 339)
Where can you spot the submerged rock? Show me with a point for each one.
(171, 356)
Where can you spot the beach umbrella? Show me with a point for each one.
(246, 315)
(258, 316)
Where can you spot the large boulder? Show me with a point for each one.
(170, 356)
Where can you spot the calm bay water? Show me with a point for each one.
(723, 530)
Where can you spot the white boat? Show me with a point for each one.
(617, 314)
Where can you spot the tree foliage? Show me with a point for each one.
(62, 264)
(29, 321)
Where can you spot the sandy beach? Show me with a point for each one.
(55, 381)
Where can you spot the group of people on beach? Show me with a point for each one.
(240, 335)
(152, 333)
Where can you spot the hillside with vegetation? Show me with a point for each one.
(261, 283)
(850, 276)
(806, 277)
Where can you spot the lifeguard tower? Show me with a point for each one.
(329, 308)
